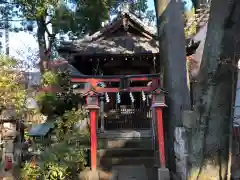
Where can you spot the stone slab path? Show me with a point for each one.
(137, 172)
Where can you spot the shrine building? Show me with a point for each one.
(121, 80)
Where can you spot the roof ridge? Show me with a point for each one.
(150, 29)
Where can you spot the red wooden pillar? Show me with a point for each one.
(93, 107)
(160, 135)
(158, 105)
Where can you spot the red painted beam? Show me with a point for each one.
(103, 90)
(117, 76)
(139, 89)
(89, 80)
(130, 89)
(115, 90)
(143, 78)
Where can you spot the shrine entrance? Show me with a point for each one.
(117, 103)
(127, 114)
(123, 105)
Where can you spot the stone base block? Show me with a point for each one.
(97, 175)
(130, 172)
(89, 175)
(181, 168)
(163, 174)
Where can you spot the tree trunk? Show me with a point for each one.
(43, 64)
(172, 54)
(210, 135)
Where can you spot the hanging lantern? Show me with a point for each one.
(92, 100)
(160, 98)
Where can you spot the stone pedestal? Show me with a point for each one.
(129, 172)
(163, 174)
(90, 175)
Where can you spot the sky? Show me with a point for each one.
(151, 4)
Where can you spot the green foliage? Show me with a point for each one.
(65, 123)
(12, 92)
(56, 102)
(35, 9)
(61, 101)
(90, 14)
(139, 7)
(57, 78)
(87, 16)
(29, 172)
(66, 154)
(47, 101)
(50, 78)
(190, 23)
(151, 16)
(56, 171)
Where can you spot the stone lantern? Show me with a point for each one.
(8, 119)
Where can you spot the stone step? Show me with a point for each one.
(125, 134)
(138, 172)
(112, 143)
(125, 147)
(108, 163)
(125, 139)
(125, 153)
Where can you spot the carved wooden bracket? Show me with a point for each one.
(125, 23)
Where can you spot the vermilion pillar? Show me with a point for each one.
(158, 105)
(93, 112)
(93, 125)
(160, 135)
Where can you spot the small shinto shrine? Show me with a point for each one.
(122, 84)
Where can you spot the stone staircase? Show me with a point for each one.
(127, 148)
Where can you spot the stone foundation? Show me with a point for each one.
(181, 152)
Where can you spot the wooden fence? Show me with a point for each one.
(128, 118)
